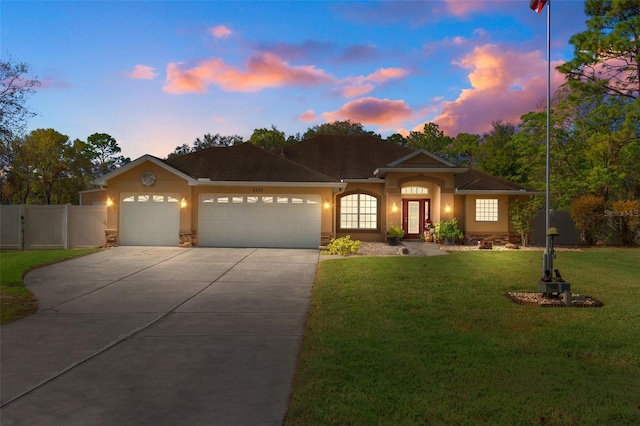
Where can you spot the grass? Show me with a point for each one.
(16, 301)
(404, 341)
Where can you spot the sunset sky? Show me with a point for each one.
(157, 74)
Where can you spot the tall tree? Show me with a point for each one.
(216, 140)
(464, 149)
(397, 138)
(607, 55)
(268, 138)
(105, 153)
(15, 88)
(431, 139)
(602, 99)
(47, 168)
(337, 127)
(208, 141)
(496, 155)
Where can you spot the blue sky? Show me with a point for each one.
(158, 74)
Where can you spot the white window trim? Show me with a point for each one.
(487, 210)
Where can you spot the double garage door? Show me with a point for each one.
(240, 220)
(224, 220)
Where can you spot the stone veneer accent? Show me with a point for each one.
(495, 238)
(110, 238)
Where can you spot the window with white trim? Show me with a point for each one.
(414, 190)
(486, 210)
(358, 211)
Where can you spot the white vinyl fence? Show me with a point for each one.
(48, 227)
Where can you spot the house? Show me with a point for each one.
(300, 195)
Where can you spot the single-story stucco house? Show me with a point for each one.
(299, 196)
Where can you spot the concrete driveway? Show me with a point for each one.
(159, 336)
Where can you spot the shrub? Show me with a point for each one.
(588, 214)
(448, 230)
(396, 232)
(522, 214)
(343, 246)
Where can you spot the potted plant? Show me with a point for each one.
(449, 231)
(394, 234)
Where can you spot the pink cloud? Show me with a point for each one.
(308, 116)
(382, 112)
(360, 85)
(261, 71)
(142, 72)
(505, 85)
(53, 82)
(464, 8)
(220, 31)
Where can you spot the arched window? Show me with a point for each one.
(358, 211)
(415, 190)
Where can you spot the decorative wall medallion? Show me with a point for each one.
(148, 178)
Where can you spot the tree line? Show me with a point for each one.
(595, 132)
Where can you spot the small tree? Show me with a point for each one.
(588, 214)
(626, 220)
(521, 213)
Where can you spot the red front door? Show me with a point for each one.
(415, 217)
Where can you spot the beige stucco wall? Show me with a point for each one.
(90, 198)
(501, 226)
(444, 204)
(440, 185)
(169, 183)
(129, 182)
(376, 189)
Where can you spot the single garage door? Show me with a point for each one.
(149, 220)
(259, 220)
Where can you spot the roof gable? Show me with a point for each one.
(421, 158)
(102, 180)
(473, 181)
(244, 162)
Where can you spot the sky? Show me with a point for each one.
(159, 74)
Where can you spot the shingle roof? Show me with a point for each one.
(473, 180)
(345, 156)
(244, 162)
(323, 158)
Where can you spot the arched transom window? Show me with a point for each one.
(358, 211)
(415, 190)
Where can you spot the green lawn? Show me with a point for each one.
(16, 301)
(404, 341)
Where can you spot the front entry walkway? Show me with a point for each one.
(159, 336)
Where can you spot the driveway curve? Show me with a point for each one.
(159, 336)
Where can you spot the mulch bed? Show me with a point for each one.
(537, 299)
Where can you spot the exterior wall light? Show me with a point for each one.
(183, 203)
(394, 207)
(447, 209)
(109, 202)
(327, 205)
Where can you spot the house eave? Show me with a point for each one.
(384, 170)
(203, 182)
(367, 180)
(495, 192)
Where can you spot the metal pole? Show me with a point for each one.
(547, 261)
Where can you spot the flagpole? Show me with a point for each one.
(547, 261)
